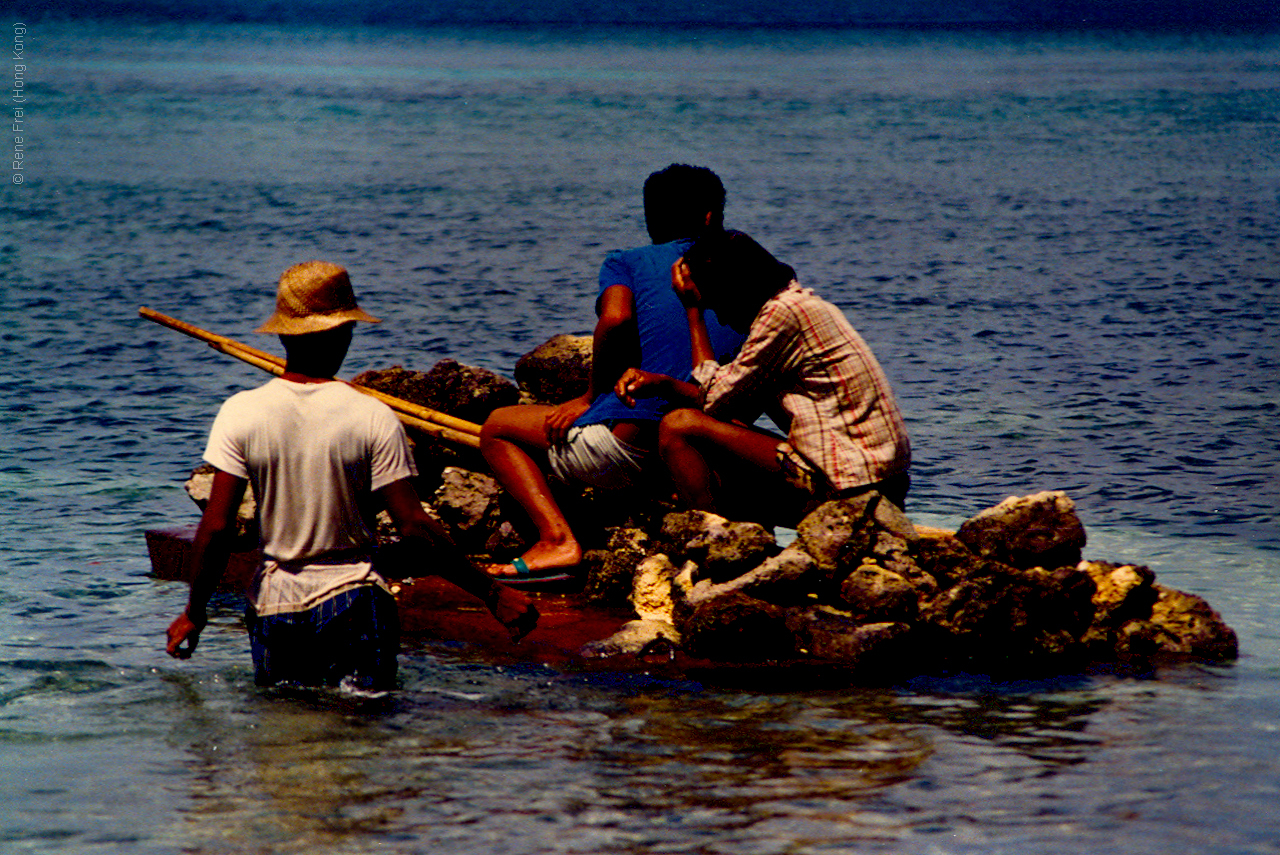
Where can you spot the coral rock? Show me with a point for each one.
(1030, 531)
(460, 390)
(873, 594)
(468, 503)
(737, 628)
(829, 635)
(636, 638)
(555, 371)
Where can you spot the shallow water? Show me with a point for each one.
(1061, 247)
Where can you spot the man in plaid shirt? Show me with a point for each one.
(803, 364)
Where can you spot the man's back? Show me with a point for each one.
(314, 452)
(662, 331)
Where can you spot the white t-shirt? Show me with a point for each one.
(314, 453)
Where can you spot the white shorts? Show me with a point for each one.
(593, 455)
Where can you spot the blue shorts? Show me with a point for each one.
(354, 634)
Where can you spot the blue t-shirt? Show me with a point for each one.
(662, 325)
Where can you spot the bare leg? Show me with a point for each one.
(512, 440)
(695, 446)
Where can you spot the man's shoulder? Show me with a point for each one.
(796, 298)
(649, 255)
(252, 398)
(354, 400)
(327, 396)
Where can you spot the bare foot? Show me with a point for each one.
(541, 558)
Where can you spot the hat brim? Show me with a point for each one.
(280, 324)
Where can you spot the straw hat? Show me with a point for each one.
(314, 296)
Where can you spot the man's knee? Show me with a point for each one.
(491, 430)
(680, 425)
(507, 423)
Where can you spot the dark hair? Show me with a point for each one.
(730, 267)
(677, 200)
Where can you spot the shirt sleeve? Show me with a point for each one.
(225, 449)
(390, 459)
(749, 383)
(614, 271)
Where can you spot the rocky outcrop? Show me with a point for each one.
(861, 588)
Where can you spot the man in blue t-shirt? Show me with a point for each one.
(595, 439)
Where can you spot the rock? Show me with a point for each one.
(1000, 618)
(1188, 626)
(737, 628)
(783, 580)
(1137, 621)
(1030, 531)
(874, 594)
(729, 550)
(830, 635)
(468, 503)
(945, 559)
(611, 571)
(836, 534)
(637, 638)
(683, 526)
(460, 390)
(651, 594)
(199, 487)
(839, 534)
(788, 578)
(506, 539)
(555, 371)
(629, 539)
(1124, 591)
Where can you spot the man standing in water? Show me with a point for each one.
(594, 439)
(317, 453)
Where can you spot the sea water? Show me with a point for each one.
(1061, 246)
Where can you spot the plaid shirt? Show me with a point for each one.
(803, 356)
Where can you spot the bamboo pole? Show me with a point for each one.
(422, 418)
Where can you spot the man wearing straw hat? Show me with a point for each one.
(317, 453)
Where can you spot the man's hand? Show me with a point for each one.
(516, 611)
(183, 629)
(635, 383)
(560, 419)
(682, 283)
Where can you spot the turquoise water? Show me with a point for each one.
(1062, 248)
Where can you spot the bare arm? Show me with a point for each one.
(689, 296)
(209, 555)
(635, 383)
(512, 608)
(615, 346)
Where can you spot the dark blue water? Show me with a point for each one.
(1061, 246)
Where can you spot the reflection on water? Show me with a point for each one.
(534, 761)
